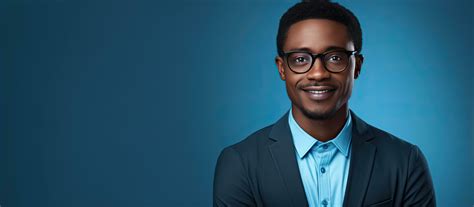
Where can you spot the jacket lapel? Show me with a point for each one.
(284, 157)
(362, 160)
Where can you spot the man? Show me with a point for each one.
(320, 153)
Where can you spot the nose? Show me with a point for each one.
(318, 72)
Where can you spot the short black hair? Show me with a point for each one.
(319, 9)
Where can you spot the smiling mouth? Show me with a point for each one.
(319, 93)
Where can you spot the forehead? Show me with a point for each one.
(317, 35)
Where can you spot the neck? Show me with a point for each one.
(322, 129)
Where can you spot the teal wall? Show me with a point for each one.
(115, 103)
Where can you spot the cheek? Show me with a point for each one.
(290, 87)
(291, 84)
(349, 82)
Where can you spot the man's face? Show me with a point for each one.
(318, 93)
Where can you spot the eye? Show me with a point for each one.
(299, 59)
(335, 58)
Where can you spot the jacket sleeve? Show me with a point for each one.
(419, 189)
(231, 186)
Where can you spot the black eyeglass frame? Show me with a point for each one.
(316, 56)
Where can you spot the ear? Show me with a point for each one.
(280, 65)
(358, 67)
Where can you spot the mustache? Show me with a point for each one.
(303, 85)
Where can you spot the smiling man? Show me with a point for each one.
(320, 153)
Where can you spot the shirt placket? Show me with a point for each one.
(324, 184)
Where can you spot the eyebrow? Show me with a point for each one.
(306, 49)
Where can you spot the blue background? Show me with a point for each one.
(114, 103)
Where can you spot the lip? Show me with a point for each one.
(317, 88)
(318, 93)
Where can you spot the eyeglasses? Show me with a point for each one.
(334, 61)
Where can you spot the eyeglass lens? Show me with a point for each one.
(301, 62)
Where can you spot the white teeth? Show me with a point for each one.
(319, 92)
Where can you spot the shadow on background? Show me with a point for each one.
(114, 103)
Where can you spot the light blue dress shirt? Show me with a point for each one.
(324, 166)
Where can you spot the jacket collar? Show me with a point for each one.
(362, 157)
(280, 129)
(304, 142)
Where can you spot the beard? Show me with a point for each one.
(318, 115)
(321, 114)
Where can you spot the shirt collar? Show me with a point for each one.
(304, 142)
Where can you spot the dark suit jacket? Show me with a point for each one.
(262, 170)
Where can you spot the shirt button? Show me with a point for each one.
(325, 203)
(325, 146)
(323, 170)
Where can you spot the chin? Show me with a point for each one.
(319, 114)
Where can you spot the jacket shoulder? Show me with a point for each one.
(253, 141)
(389, 144)
(389, 137)
(401, 167)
